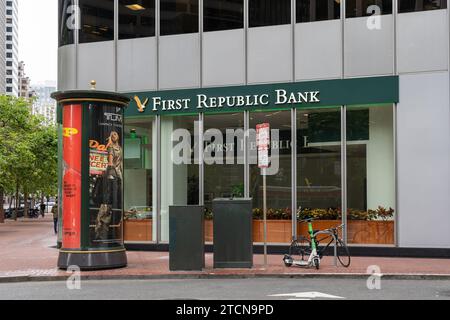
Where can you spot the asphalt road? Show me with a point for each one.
(228, 289)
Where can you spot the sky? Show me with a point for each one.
(38, 39)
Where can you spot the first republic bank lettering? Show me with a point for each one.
(282, 97)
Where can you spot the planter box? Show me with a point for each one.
(138, 230)
(279, 231)
(370, 232)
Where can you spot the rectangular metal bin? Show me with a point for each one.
(186, 238)
(233, 242)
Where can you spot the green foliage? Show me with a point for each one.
(28, 149)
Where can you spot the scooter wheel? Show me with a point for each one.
(287, 261)
(316, 263)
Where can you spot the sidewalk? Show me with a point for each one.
(28, 253)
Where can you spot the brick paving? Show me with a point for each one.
(28, 251)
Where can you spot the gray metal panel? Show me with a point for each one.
(270, 54)
(318, 50)
(423, 153)
(223, 58)
(186, 238)
(422, 42)
(368, 52)
(136, 65)
(232, 230)
(179, 61)
(67, 68)
(96, 62)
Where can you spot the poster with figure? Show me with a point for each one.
(105, 175)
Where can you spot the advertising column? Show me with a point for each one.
(92, 180)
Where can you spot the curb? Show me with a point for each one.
(206, 276)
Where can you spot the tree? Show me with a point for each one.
(28, 152)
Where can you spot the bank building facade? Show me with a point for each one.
(356, 94)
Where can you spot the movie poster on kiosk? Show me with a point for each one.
(105, 175)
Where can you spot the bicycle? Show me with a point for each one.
(304, 247)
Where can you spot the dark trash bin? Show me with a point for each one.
(233, 242)
(186, 238)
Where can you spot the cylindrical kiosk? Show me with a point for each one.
(92, 179)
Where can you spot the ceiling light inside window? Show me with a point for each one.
(135, 7)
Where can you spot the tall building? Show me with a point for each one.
(358, 106)
(2, 46)
(12, 47)
(44, 104)
(24, 82)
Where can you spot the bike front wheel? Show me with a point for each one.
(343, 254)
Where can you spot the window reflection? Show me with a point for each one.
(223, 14)
(317, 10)
(363, 8)
(420, 5)
(269, 12)
(136, 19)
(179, 16)
(66, 34)
(97, 20)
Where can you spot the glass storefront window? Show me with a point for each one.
(279, 188)
(319, 184)
(136, 19)
(223, 161)
(363, 8)
(178, 16)
(66, 19)
(139, 181)
(179, 166)
(223, 15)
(97, 20)
(312, 10)
(420, 5)
(269, 12)
(370, 175)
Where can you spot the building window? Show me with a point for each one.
(9, 80)
(363, 8)
(9, 55)
(312, 10)
(9, 29)
(179, 16)
(8, 89)
(66, 15)
(9, 3)
(9, 38)
(97, 20)
(370, 175)
(223, 15)
(319, 186)
(136, 19)
(269, 12)
(420, 5)
(9, 63)
(278, 179)
(139, 174)
(223, 160)
(9, 72)
(9, 46)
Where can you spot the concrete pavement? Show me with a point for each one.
(229, 289)
(28, 253)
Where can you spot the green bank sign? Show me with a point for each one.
(310, 94)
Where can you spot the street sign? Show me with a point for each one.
(262, 143)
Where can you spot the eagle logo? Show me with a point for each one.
(141, 105)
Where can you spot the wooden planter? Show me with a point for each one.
(279, 231)
(370, 232)
(138, 230)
